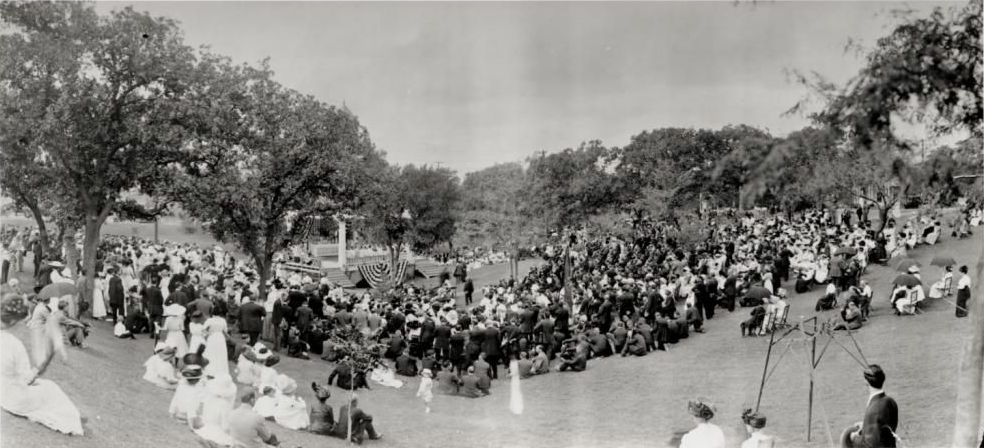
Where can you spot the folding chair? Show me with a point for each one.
(769, 322)
(781, 319)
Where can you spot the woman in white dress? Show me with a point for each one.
(127, 275)
(174, 327)
(196, 331)
(218, 400)
(24, 392)
(216, 352)
(98, 297)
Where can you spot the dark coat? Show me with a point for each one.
(204, 305)
(153, 301)
(303, 315)
(427, 333)
(492, 343)
(442, 337)
(406, 365)
(472, 386)
(881, 418)
(251, 317)
(117, 295)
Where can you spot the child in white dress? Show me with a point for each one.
(426, 390)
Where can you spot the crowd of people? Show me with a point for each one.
(594, 296)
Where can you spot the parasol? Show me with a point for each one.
(906, 280)
(57, 290)
(758, 292)
(943, 261)
(905, 264)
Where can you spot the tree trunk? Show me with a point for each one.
(42, 229)
(263, 268)
(882, 218)
(93, 224)
(969, 383)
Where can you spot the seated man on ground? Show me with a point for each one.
(573, 358)
(472, 386)
(636, 344)
(447, 381)
(524, 365)
(541, 362)
(406, 365)
(361, 423)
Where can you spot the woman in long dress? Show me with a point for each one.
(196, 331)
(174, 328)
(24, 392)
(98, 298)
(215, 347)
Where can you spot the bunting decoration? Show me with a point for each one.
(374, 274)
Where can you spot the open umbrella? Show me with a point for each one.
(943, 261)
(907, 280)
(846, 250)
(57, 290)
(905, 264)
(758, 292)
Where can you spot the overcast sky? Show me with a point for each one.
(473, 84)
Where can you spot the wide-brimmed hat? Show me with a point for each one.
(13, 308)
(286, 384)
(701, 409)
(191, 372)
(56, 264)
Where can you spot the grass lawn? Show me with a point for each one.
(616, 402)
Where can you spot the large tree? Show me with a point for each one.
(108, 91)
(411, 207)
(563, 189)
(273, 162)
(490, 207)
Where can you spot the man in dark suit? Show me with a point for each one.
(427, 330)
(881, 417)
(469, 291)
(117, 296)
(303, 317)
(251, 319)
(361, 423)
(473, 386)
(203, 305)
(406, 365)
(491, 345)
(442, 340)
(482, 370)
(154, 304)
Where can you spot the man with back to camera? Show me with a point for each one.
(881, 416)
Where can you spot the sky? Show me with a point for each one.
(469, 85)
